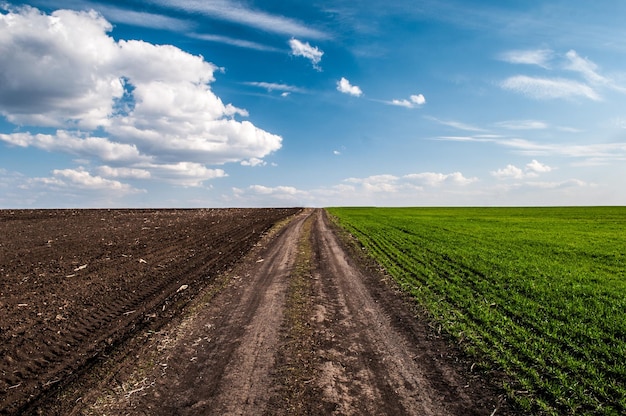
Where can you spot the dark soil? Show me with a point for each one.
(75, 285)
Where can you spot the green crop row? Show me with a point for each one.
(539, 293)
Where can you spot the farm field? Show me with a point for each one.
(213, 312)
(536, 293)
(75, 284)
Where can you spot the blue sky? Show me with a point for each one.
(174, 103)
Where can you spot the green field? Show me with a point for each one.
(539, 293)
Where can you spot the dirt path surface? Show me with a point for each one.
(296, 328)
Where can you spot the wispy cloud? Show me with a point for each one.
(273, 86)
(304, 49)
(586, 154)
(556, 87)
(236, 12)
(241, 43)
(549, 88)
(456, 124)
(143, 19)
(344, 86)
(523, 125)
(590, 71)
(540, 57)
(585, 67)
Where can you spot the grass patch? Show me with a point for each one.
(538, 293)
(295, 356)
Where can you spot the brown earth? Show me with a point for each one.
(77, 284)
(170, 318)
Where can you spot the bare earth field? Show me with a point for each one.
(232, 311)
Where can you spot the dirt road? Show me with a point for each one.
(296, 328)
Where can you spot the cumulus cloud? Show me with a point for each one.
(260, 195)
(186, 174)
(510, 171)
(64, 179)
(253, 162)
(433, 179)
(312, 53)
(377, 183)
(153, 102)
(412, 102)
(113, 172)
(72, 143)
(413, 181)
(537, 167)
(344, 86)
(532, 170)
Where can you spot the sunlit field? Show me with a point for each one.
(539, 293)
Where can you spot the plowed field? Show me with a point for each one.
(75, 284)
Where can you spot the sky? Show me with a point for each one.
(248, 103)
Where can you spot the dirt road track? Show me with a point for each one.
(297, 328)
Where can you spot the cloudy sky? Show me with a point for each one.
(200, 103)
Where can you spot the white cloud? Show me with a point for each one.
(510, 171)
(143, 19)
(377, 183)
(67, 142)
(433, 179)
(129, 173)
(48, 76)
(273, 86)
(260, 195)
(414, 181)
(80, 179)
(187, 174)
(537, 167)
(312, 53)
(237, 12)
(456, 124)
(539, 57)
(533, 169)
(412, 102)
(240, 43)
(549, 88)
(253, 162)
(591, 154)
(585, 67)
(153, 102)
(344, 86)
(523, 125)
